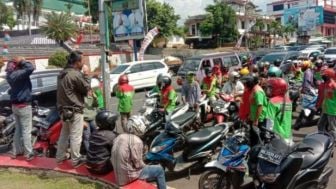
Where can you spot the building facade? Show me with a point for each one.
(326, 9)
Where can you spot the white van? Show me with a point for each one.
(194, 64)
(141, 74)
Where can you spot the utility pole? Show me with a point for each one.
(90, 28)
(105, 69)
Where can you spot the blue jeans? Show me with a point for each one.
(23, 127)
(151, 172)
(87, 132)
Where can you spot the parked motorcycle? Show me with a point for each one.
(223, 110)
(294, 93)
(230, 166)
(177, 151)
(308, 112)
(7, 128)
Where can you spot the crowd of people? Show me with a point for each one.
(260, 90)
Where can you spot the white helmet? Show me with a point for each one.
(136, 126)
(233, 75)
(95, 83)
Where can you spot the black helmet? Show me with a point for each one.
(319, 63)
(106, 120)
(277, 62)
(158, 80)
(165, 80)
(250, 80)
(207, 70)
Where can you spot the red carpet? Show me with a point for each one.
(50, 164)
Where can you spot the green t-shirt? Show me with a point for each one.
(172, 96)
(258, 98)
(125, 100)
(318, 76)
(156, 89)
(329, 102)
(274, 112)
(212, 85)
(100, 98)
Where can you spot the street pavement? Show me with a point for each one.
(181, 180)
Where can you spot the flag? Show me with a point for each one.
(147, 40)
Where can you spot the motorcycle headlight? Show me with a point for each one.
(157, 149)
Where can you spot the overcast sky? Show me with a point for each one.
(187, 8)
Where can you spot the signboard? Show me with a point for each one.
(128, 19)
(304, 19)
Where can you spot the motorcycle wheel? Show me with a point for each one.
(214, 179)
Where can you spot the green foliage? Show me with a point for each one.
(58, 59)
(6, 16)
(276, 28)
(59, 27)
(93, 6)
(220, 22)
(163, 16)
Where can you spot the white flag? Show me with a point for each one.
(147, 40)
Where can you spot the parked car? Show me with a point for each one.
(141, 74)
(194, 63)
(316, 47)
(307, 53)
(330, 53)
(297, 48)
(282, 47)
(44, 87)
(285, 57)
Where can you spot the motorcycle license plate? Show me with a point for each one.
(270, 156)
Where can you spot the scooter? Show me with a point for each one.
(177, 151)
(294, 93)
(223, 109)
(308, 112)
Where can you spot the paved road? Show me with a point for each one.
(181, 181)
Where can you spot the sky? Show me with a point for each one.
(187, 8)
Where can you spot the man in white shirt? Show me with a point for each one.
(136, 21)
(120, 23)
(233, 87)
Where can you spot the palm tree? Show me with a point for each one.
(288, 30)
(21, 8)
(276, 29)
(37, 6)
(60, 27)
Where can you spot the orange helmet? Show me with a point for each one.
(330, 73)
(306, 64)
(278, 87)
(123, 79)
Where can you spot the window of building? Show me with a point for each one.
(242, 25)
(193, 29)
(278, 7)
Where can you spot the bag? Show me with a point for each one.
(68, 114)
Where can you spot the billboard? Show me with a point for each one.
(128, 19)
(304, 19)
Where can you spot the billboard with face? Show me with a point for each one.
(128, 19)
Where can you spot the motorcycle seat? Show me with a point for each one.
(319, 144)
(177, 108)
(183, 119)
(204, 135)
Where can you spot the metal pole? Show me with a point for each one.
(135, 50)
(105, 69)
(90, 28)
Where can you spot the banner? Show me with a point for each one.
(304, 19)
(128, 19)
(148, 39)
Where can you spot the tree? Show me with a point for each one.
(163, 16)
(220, 22)
(60, 27)
(276, 29)
(6, 16)
(288, 30)
(93, 6)
(37, 6)
(10, 21)
(58, 59)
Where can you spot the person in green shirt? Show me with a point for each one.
(279, 108)
(95, 86)
(318, 72)
(124, 93)
(168, 96)
(327, 101)
(209, 85)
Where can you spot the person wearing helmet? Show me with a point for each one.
(279, 108)
(274, 71)
(225, 73)
(157, 87)
(313, 57)
(258, 101)
(168, 95)
(254, 69)
(209, 85)
(200, 75)
(101, 142)
(327, 102)
(244, 61)
(191, 92)
(244, 72)
(233, 88)
(127, 157)
(124, 93)
(317, 72)
(277, 62)
(308, 86)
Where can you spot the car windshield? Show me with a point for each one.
(330, 51)
(119, 69)
(272, 57)
(191, 64)
(304, 54)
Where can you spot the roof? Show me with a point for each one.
(143, 61)
(211, 55)
(60, 5)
